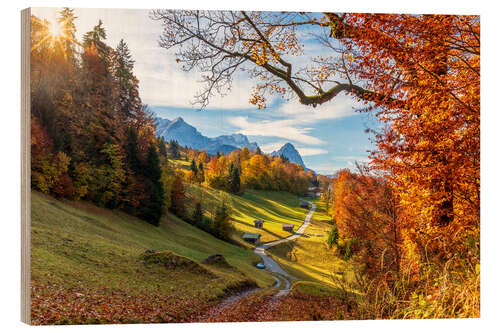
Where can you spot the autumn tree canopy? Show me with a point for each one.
(419, 74)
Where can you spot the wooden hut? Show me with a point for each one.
(258, 223)
(287, 227)
(251, 238)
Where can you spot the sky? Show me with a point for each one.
(329, 137)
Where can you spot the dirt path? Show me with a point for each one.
(271, 264)
(226, 303)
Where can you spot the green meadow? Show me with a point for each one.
(81, 245)
(275, 208)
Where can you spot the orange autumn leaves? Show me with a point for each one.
(429, 147)
(256, 171)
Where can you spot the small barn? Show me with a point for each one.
(258, 223)
(251, 238)
(304, 204)
(287, 227)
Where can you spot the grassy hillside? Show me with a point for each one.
(79, 246)
(308, 257)
(181, 164)
(275, 208)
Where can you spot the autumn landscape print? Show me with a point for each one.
(236, 166)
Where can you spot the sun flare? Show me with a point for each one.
(55, 29)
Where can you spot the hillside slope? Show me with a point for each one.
(275, 208)
(90, 251)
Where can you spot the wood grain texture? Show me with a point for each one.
(25, 166)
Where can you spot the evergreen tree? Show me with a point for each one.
(152, 207)
(162, 147)
(234, 179)
(173, 147)
(221, 224)
(193, 167)
(67, 21)
(132, 150)
(197, 217)
(284, 159)
(96, 37)
(128, 85)
(258, 151)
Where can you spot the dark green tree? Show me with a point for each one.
(197, 216)
(162, 147)
(97, 36)
(128, 85)
(221, 224)
(132, 150)
(333, 236)
(151, 209)
(173, 149)
(234, 179)
(193, 167)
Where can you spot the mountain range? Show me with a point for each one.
(188, 136)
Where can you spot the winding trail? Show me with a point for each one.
(271, 264)
(216, 313)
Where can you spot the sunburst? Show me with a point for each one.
(55, 29)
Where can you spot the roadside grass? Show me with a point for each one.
(308, 257)
(78, 245)
(275, 208)
(317, 289)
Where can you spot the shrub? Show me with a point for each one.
(333, 236)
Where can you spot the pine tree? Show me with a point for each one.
(162, 147)
(221, 224)
(152, 207)
(174, 149)
(132, 150)
(96, 37)
(197, 217)
(128, 84)
(234, 179)
(258, 151)
(193, 167)
(67, 21)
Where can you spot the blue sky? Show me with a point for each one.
(329, 137)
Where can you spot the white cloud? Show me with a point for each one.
(273, 146)
(296, 118)
(304, 151)
(285, 129)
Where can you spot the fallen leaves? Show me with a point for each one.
(53, 305)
